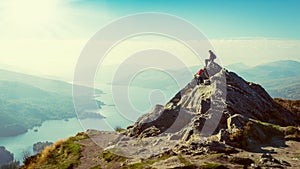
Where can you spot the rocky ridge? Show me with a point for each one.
(224, 123)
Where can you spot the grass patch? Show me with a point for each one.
(212, 166)
(96, 167)
(297, 156)
(186, 162)
(252, 131)
(119, 129)
(292, 133)
(146, 163)
(210, 156)
(137, 166)
(111, 157)
(278, 128)
(63, 154)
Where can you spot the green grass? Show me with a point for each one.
(111, 157)
(209, 156)
(292, 133)
(62, 154)
(146, 163)
(186, 162)
(96, 167)
(118, 129)
(68, 154)
(212, 166)
(297, 156)
(137, 166)
(278, 128)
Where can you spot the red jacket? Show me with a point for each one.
(200, 72)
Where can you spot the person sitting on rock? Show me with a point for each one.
(212, 57)
(200, 75)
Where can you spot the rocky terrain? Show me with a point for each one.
(226, 122)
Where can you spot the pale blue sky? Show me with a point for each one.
(219, 18)
(46, 36)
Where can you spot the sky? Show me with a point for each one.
(46, 37)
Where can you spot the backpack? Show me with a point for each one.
(213, 56)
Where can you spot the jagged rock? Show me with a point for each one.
(251, 134)
(207, 147)
(218, 147)
(267, 160)
(151, 131)
(292, 133)
(243, 161)
(225, 107)
(236, 121)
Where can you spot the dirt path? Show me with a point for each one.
(91, 153)
(90, 150)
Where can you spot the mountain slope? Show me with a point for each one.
(27, 101)
(225, 123)
(281, 78)
(240, 97)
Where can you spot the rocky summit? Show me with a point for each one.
(222, 110)
(226, 122)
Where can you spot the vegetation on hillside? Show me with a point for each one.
(63, 154)
(26, 101)
(291, 105)
(24, 106)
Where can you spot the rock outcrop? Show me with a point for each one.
(226, 122)
(228, 108)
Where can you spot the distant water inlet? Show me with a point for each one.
(51, 130)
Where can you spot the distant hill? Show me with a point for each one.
(281, 78)
(237, 67)
(26, 101)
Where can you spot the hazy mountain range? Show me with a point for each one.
(281, 78)
(27, 101)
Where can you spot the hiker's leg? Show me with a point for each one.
(198, 80)
(206, 62)
(201, 79)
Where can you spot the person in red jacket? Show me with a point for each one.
(200, 75)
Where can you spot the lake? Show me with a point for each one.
(54, 130)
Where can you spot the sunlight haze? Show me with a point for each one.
(46, 37)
